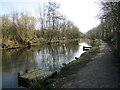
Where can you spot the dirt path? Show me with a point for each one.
(98, 73)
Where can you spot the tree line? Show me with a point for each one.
(23, 29)
(109, 29)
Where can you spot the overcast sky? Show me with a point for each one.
(82, 12)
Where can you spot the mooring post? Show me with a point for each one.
(18, 74)
(26, 71)
(76, 58)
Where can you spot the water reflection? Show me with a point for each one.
(53, 57)
(50, 57)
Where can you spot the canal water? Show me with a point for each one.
(48, 57)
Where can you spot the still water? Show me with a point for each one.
(49, 57)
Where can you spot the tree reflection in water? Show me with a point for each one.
(50, 57)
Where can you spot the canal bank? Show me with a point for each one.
(68, 73)
(68, 70)
(100, 72)
(14, 45)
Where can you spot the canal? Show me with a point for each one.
(48, 57)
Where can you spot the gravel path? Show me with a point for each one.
(98, 73)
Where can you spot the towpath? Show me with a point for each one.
(98, 73)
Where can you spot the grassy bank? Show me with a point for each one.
(68, 70)
(13, 45)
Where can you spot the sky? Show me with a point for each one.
(81, 12)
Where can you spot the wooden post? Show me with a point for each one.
(26, 71)
(18, 74)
